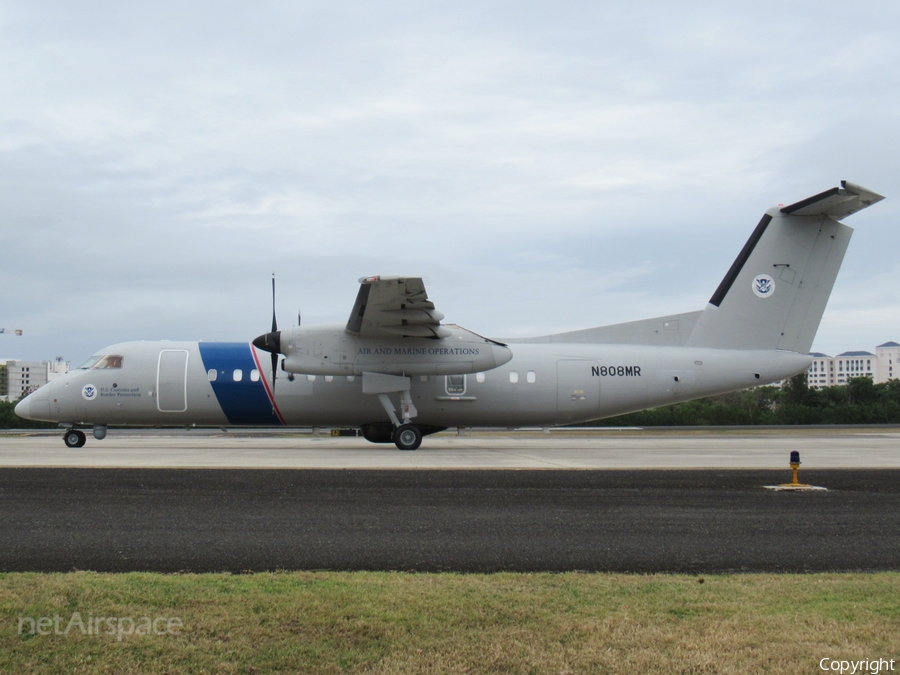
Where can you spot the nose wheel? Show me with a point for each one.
(408, 437)
(74, 438)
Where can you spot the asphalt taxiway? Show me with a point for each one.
(179, 502)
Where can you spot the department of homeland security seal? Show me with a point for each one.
(89, 392)
(763, 286)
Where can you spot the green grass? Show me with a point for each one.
(301, 622)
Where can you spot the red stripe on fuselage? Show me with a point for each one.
(269, 392)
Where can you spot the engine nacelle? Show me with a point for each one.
(334, 351)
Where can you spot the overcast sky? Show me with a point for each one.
(545, 166)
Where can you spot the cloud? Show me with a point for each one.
(547, 168)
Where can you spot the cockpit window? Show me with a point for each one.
(102, 362)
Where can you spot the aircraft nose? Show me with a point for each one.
(23, 408)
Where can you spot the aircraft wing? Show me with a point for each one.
(391, 306)
(835, 203)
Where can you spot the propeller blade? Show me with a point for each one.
(274, 321)
(274, 330)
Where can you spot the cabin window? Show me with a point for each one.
(350, 378)
(310, 378)
(212, 374)
(479, 377)
(329, 378)
(456, 385)
(514, 376)
(254, 375)
(530, 377)
(423, 378)
(237, 375)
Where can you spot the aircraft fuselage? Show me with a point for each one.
(228, 384)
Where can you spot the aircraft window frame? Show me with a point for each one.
(254, 375)
(103, 362)
(530, 377)
(479, 378)
(514, 376)
(457, 388)
(237, 375)
(212, 374)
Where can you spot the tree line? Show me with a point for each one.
(861, 401)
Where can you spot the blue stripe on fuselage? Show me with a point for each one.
(244, 402)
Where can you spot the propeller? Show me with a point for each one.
(271, 342)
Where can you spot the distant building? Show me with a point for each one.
(18, 378)
(853, 364)
(821, 372)
(828, 371)
(887, 362)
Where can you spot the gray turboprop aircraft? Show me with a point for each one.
(757, 328)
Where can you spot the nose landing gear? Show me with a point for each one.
(74, 438)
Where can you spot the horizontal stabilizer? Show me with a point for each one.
(835, 203)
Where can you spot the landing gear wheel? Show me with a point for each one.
(408, 437)
(74, 438)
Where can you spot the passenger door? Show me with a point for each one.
(171, 381)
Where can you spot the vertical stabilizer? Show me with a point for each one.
(775, 292)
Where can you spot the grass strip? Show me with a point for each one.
(383, 622)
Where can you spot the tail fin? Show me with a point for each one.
(774, 295)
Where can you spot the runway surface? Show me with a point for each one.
(559, 449)
(694, 521)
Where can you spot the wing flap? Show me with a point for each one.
(392, 306)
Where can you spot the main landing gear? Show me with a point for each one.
(408, 437)
(399, 431)
(405, 436)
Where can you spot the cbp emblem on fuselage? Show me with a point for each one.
(89, 392)
(764, 286)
